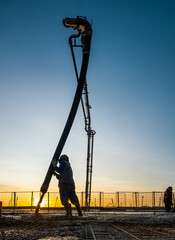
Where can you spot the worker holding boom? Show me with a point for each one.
(66, 184)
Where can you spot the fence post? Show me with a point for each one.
(136, 199)
(117, 199)
(48, 200)
(125, 198)
(0, 209)
(14, 200)
(82, 199)
(153, 199)
(142, 200)
(10, 203)
(100, 200)
(31, 200)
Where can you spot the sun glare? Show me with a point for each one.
(36, 200)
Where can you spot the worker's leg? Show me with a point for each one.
(167, 206)
(64, 196)
(79, 210)
(74, 200)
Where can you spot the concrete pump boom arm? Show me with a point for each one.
(86, 31)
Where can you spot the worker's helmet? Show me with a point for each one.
(64, 157)
(170, 189)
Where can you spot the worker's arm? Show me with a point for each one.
(60, 168)
(56, 175)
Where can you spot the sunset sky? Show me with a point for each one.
(131, 84)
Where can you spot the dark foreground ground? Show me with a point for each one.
(135, 225)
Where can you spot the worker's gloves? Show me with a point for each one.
(57, 176)
(54, 163)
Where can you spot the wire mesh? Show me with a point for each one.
(6, 198)
(30, 200)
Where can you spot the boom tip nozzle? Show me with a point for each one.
(65, 22)
(79, 23)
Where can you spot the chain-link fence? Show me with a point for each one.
(133, 199)
(99, 200)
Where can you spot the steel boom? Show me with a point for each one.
(85, 30)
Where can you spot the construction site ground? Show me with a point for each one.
(93, 225)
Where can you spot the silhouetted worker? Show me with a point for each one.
(66, 184)
(168, 199)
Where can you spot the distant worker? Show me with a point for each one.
(168, 199)
(66, 184)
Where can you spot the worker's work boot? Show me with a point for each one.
(79, 210)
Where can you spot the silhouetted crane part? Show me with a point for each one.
(84, 28)
(90, 133)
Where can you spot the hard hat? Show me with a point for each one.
(170, 189)
(64, 157)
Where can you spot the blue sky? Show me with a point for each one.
(131, 90)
